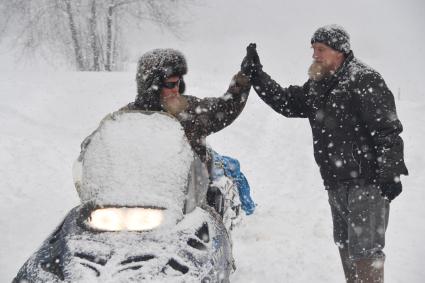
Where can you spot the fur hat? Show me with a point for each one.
(333, 36)
(152, 69)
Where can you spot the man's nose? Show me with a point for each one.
(174, 90)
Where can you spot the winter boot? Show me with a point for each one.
(370, 270)
(348, 265)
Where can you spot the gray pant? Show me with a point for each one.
(360, 218)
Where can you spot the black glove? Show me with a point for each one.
(251, 65)
(391, 190)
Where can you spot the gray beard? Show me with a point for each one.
(318, 71)
(175, 106)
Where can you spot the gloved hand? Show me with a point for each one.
(251, 63)
(391, 190)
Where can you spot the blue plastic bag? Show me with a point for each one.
(230, 167)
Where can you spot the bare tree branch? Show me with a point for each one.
(89, 33)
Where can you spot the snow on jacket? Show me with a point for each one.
(204, 116)
(201, 117)
(353, 120)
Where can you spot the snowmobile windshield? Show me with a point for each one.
(137, 159)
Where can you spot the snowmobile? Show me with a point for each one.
(148, 211)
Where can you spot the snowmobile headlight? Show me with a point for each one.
(126, 218)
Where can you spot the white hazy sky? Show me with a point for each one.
(386, 34)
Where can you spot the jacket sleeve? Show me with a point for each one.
(290, 102)
(378, 112)
(210, 115)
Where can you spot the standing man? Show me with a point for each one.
(356, 142)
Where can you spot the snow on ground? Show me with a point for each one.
(45, 115)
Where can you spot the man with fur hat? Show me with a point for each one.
(160, 87)
(356, 141)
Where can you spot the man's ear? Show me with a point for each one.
(182, 86)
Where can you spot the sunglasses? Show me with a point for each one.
(171, 85)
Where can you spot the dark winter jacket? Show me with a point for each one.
(201, 117)
(353, 120)
(205, 116)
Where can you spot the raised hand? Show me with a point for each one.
(251, 64)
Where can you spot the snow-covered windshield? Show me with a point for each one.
(137, 159)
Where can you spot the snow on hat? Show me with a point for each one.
(333, 36)
(157, 64)
(164, 62)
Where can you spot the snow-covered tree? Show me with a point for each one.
(89, 33)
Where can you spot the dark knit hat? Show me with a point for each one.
(333, 36)
(153, 68)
